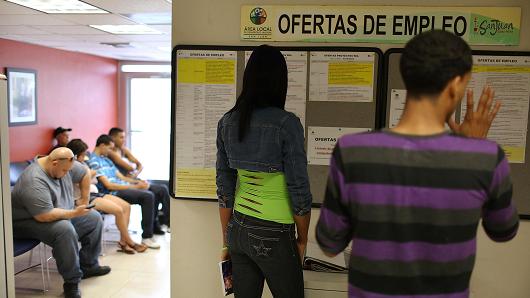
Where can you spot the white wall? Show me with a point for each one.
(502, 270)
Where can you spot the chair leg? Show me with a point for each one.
(41, 257)
(103, 248)
(30, 257)
(47, 259)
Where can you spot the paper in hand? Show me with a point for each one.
(225, 268)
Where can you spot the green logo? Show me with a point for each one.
(491, 26)
(258, 16)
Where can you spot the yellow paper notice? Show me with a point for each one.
(514, 154)
(196, 183)
(205, 71)
(501, 68)
(220, 71)
(350, 73)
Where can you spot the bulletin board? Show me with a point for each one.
(508, 72)
(333, 90)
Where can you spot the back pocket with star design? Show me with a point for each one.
(262, 247)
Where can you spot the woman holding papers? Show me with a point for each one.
(262, 183)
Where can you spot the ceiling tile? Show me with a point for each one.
(70, 30)
(147, 38)
(13, 37)
(105, 37)
(153, 44)
(32, 20)
(97, 19)
(162, 28)
(151, 18)
(20, 30)
(48, 37)
(131, 6)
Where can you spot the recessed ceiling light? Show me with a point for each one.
(151, 18)
(59, 6)
(145, 68)
(126, 29)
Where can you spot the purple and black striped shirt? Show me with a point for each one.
(411, 205)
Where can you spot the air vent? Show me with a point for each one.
(118, 45)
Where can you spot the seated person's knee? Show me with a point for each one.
(64, 228)
(95, 217)
(149, 196)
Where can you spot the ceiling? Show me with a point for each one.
(71, 31)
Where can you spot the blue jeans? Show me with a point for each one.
(264, 250)
(63, 236)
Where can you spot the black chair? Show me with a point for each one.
(15, 170)
(23, 245)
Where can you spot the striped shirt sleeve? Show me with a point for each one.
(500, 219)
(334, 228)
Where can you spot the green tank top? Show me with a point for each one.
(264, 196)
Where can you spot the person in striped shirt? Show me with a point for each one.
(410, 198)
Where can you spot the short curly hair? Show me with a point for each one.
(431, 59)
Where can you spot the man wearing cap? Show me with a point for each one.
(61, 136)
(44, 208)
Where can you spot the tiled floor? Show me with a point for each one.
(138, 275)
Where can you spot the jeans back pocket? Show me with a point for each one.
(262, 247)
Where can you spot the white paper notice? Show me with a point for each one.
(398, 97)
(297, 86)
(397, 105)
(321, 141)
(206, 89)
(509, 76)
(341, 76)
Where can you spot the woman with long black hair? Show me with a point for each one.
(262, 183)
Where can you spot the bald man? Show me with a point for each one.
(44, 208)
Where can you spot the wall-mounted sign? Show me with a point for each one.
(378, 24)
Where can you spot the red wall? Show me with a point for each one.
(74, 90)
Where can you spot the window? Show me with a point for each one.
(150, 127)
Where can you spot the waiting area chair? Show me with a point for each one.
(15, 170)
(21, 246)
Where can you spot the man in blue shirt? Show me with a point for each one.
(134, 191)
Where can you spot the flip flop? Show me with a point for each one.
(139, 247)
(125, 248)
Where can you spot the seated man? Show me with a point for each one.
(134, 191)
(61, 137)
(107, 203)
(124, 160)
(121, 156)
(44, 209)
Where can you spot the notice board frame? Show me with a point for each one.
(519, 172)
(378, 111)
